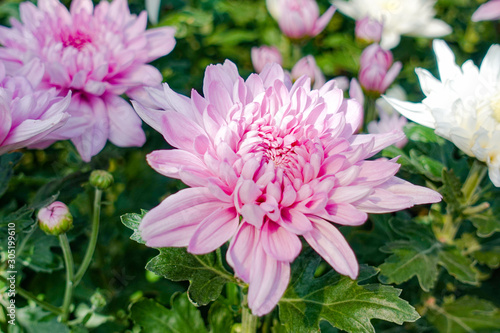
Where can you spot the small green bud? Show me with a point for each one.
(101, 179)
(55, 219)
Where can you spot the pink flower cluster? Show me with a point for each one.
(268, 163)
(28, 114)
(97, 54)
(377, 70)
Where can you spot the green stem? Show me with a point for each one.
(370, 112)
(249, 322)
(93, 238)
(450, 229)
(476, 175)
(70, 270)
(29, 296)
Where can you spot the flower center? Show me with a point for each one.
(78, 40)
(391, 5)
(277, 149)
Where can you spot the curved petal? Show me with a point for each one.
(125, 127)
(174, 221)
(268, 281)
(332, 246)
(214, 230)
(416, 112)
(280, 243)
(241, 250)
(488, 11)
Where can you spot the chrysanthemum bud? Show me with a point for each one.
(55, 219)
(101, 179)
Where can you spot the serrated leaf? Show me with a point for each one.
(132, 221)
(154, 317)
(37, 253)
(467, 314)
(338, 300)
(205, 273)
(7, 163)
(458, 265)
(419, 254)
(23, 218)
(486, 223)
(410, 259)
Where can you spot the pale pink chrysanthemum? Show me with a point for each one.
(98, 54)
(28, 114)
(268, 162)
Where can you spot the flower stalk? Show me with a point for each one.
(249, 322)
(68, 261)
(93, 237)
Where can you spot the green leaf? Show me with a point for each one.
(409, 259)
(486, 223)
(416, 132)
(36, 320)
(338, 300)
(467, 314)
(37, 253)
(416, 256)
(154, 317)
(220, 317)
(420, 254)
(7, 163)
(458, 265)
(132, 221)
(205, 273)
(452, 191)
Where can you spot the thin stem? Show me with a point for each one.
(249, 322)
(370, 112)
(450, 228)
(476, 175)
(93, 238)
(29, 296)
(70, 270)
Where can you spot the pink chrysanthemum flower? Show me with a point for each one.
(27, 114)
(268, 162)
(98, 54)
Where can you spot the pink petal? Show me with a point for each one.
(268, 281)
(81, 5)
(214, 230)
(174, 221)
(170, 162)
(487, 12)
(93, 140)
(241, 250)
(279, 243)
(323, 21)
(332, 246)
(125, 127)
(179, 130)
(161, 42)
(345, 214)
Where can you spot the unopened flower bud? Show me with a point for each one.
(307, 66)
(101, 179)
(261, 56)
(368, 30)
(55, 219)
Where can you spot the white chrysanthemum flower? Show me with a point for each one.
(399, 17)
(464, 107)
